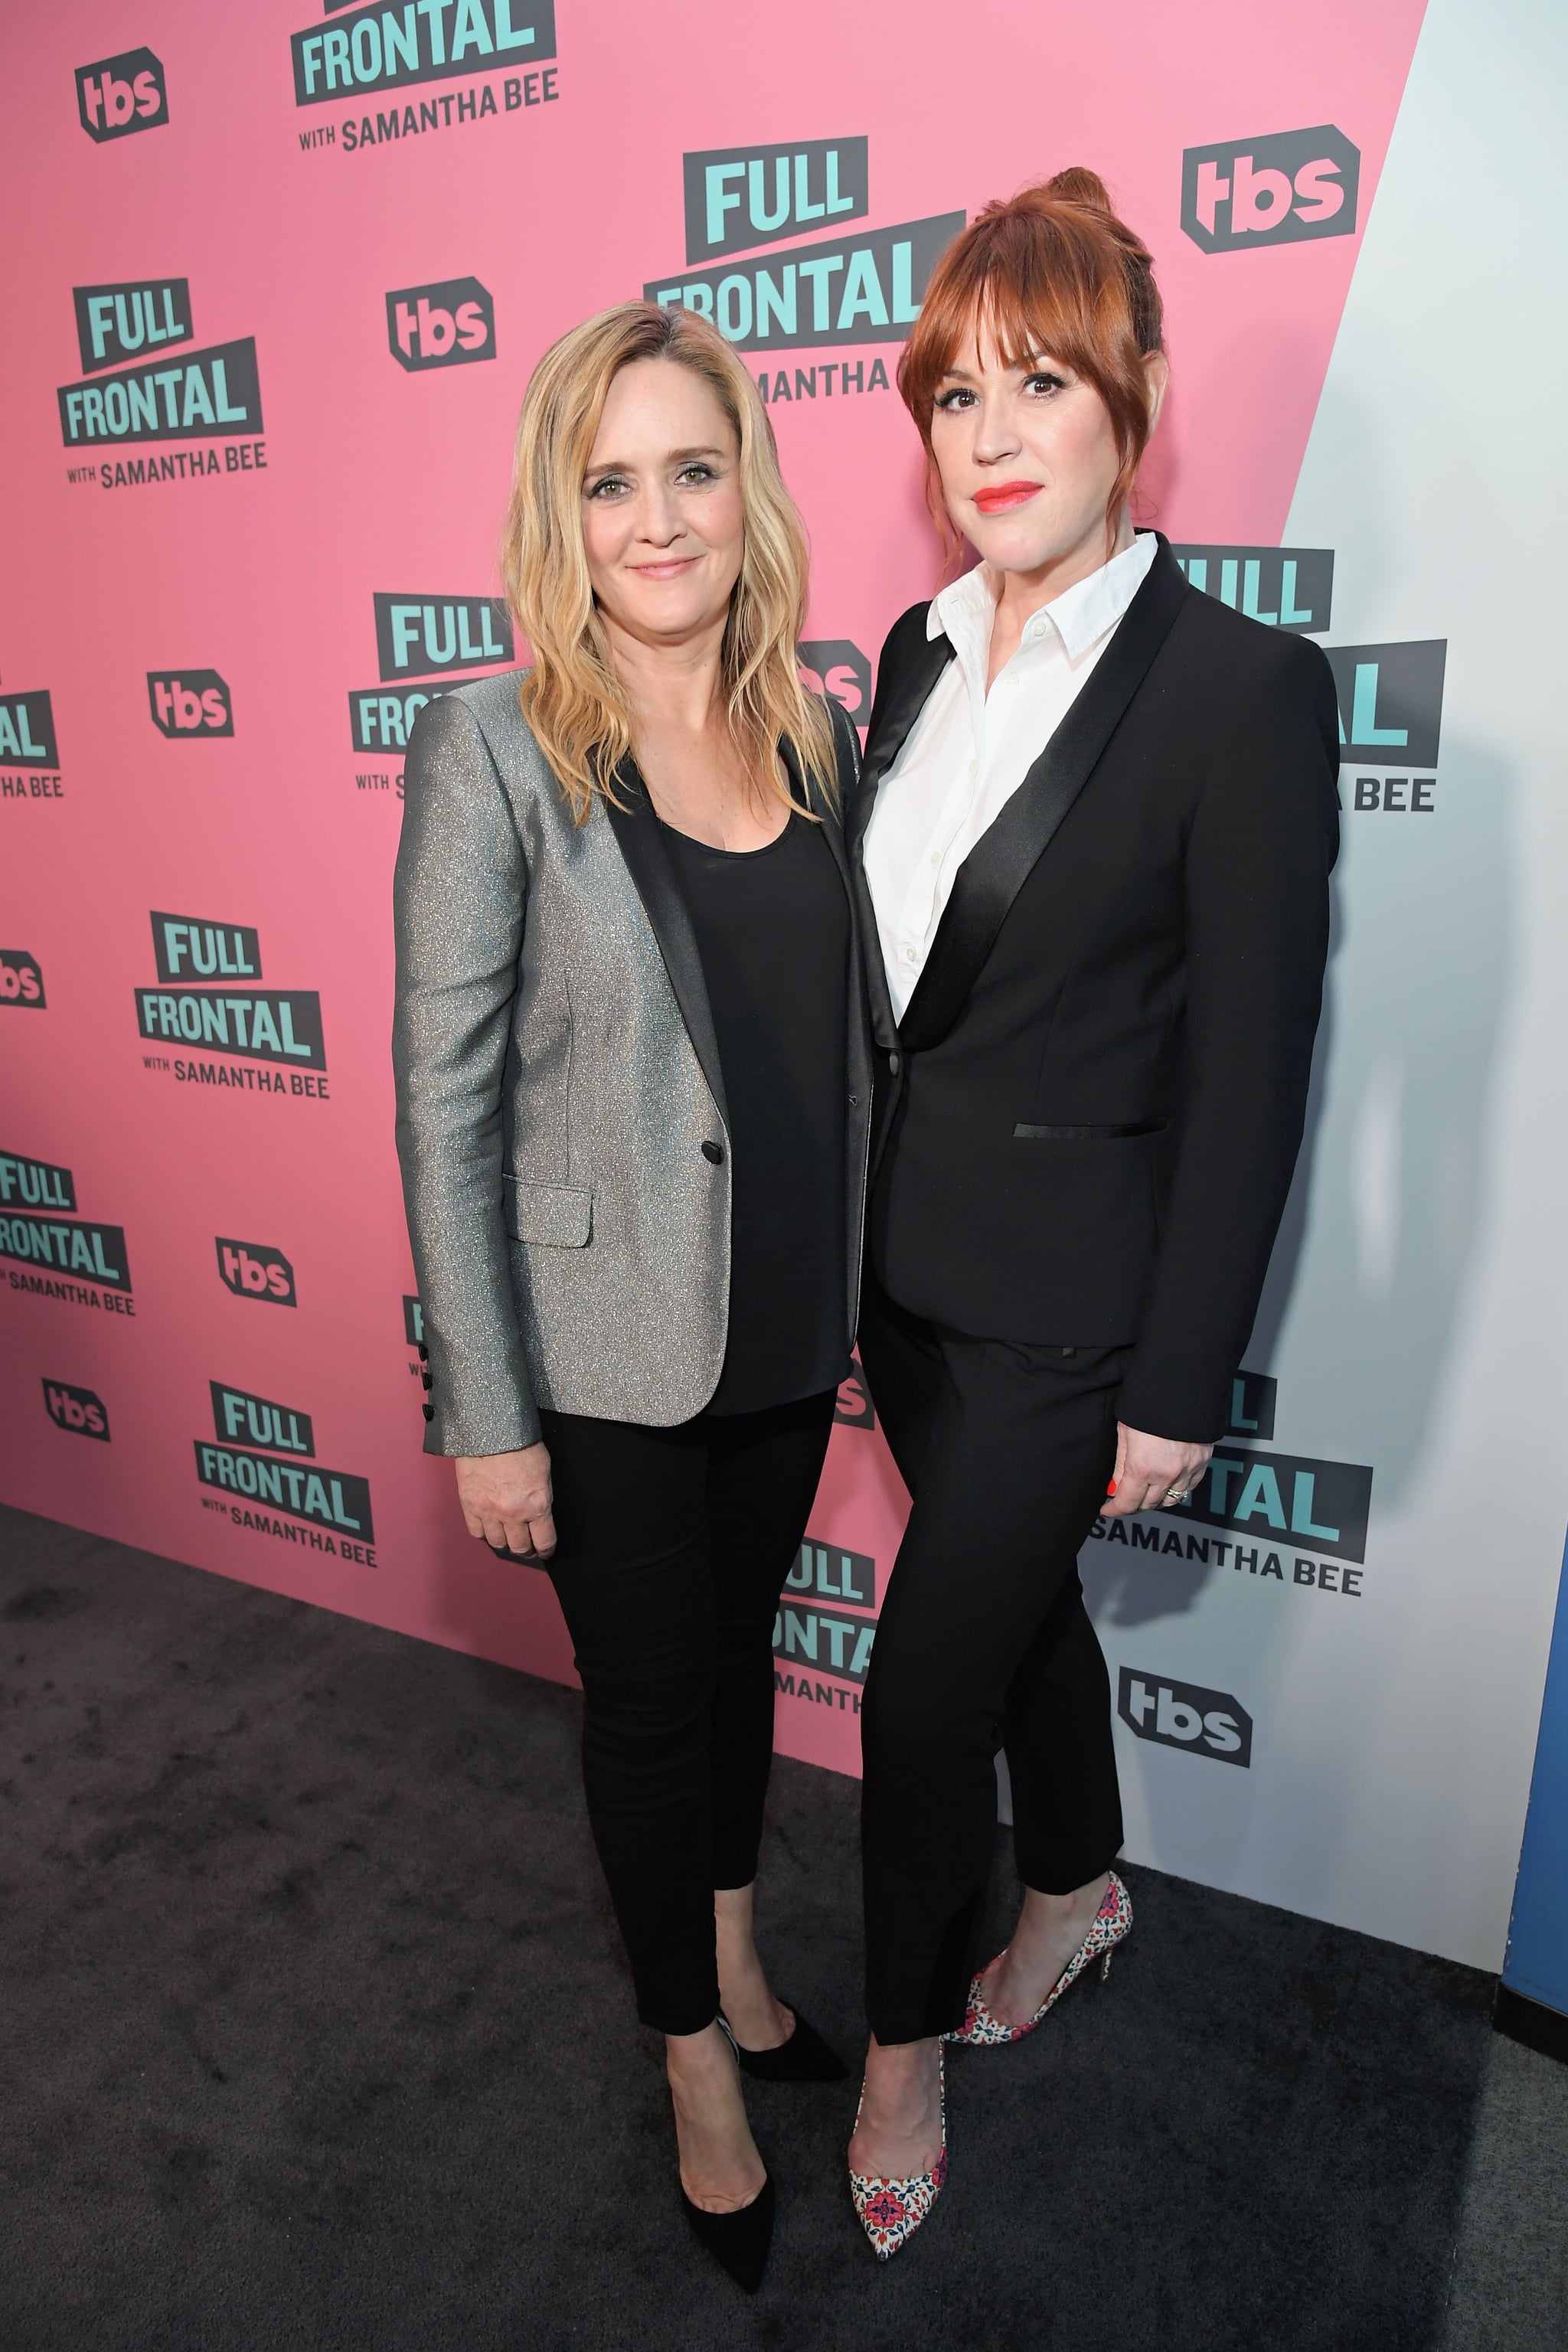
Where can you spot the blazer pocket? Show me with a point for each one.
(1088, 1134)
(561, 1216)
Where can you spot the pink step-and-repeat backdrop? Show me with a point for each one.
(278, 276)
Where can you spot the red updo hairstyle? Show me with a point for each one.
(1051, 269)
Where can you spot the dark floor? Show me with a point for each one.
(316, 2036)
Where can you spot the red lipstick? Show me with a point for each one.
(1002, 496)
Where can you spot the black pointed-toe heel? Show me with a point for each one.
(740, 2241)
(803, 2058)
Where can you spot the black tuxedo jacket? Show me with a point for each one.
(1087, 1121)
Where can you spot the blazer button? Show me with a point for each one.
(429, 1410)
(424, 1351)
(428, 1379)
(854, 1102)
(713, 1151)
(894, 1064)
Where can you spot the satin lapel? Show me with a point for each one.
(897, 708)
(1006, 853)
(806, 790)
(891, 719)
(648, 862)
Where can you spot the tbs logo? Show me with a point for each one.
(252, 1270)
(21, 982)
(853, 1408)
(1278, 190)
(120, 95)
(833, 666)
(189, 702)
(1182, 1715)
(78, 1410)
(446, 325)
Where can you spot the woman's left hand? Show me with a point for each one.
(1151, 1473)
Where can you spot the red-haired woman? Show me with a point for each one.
(1095, 830)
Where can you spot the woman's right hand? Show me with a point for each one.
(506, 1499)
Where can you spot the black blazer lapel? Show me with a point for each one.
(648, 861)
(809, 793)
(903, 689)
(1001, 861)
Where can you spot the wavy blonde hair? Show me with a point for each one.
(571, 697)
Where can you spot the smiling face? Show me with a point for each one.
(663, 516)
(1027, 460)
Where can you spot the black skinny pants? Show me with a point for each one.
(673, 1547)
(983, 1642)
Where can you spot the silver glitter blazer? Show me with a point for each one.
(561, 1118)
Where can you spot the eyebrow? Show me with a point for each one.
(672, 458)
(1040, 358)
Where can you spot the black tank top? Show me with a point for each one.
(773, 932)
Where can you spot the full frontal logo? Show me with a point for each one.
(421, 638)
(260, 1468)
(855, 287)
(82, 1263)
(21, 980)
(1293, 1519)
(413, 1332)
(276, 1031)
(187, 703)
(80, 1410)
(379, 51)
(445, 325)
(1284, 587)
(28, 742)
(1391, 716)
(740, 196)
(811, 1639)
(168, 392)
(1278, 190)
(119, 95)
(1184, 1715)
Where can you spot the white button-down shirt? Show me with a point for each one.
(968, 751)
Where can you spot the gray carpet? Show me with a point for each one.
(317, 2039)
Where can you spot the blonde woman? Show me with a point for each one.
(632, 1073)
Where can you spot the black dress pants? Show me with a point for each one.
(983, 1642)
(673, 1547)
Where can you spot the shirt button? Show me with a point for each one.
(713, 1151)
(975, 767)
(909, 955)
(936, 857)
(429, 1412)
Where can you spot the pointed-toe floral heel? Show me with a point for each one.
(1111, 1923)
(890, 2212)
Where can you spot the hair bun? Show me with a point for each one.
(1078, 186)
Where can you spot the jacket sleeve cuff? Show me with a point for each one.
(1187, 1405)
